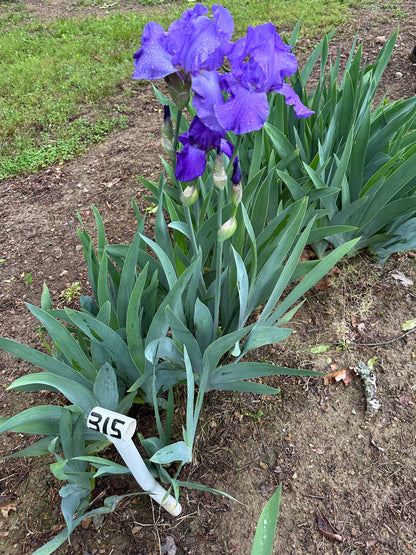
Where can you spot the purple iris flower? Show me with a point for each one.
(260, 61)
(192, 44)
(198, 140)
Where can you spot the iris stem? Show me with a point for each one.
(191, 230)
(218, 268)
(179, 186)
(175, 148)
(176, 136)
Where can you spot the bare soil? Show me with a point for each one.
(315, 438)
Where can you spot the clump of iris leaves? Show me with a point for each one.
(165, 315)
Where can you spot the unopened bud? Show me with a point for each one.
(168, 147)
(227, 229)
(236, 194)
(236, 177)
(189, 196)
(219, 177)
(179, 90)
(167, 127)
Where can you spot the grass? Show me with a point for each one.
(318, 16)
(53, 73)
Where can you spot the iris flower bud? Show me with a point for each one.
(219, 177)
(167, 127)
(167, 134)
(227, 229)
(189, 196)
(236, 176)
(179, 90)
(168, 147)
(236, 194)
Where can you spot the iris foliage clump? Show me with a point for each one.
(354, 159)
(176, 310)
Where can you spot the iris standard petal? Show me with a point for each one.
(261, 60)
(152, 61)
(224, 25)
(190, 163)
(206, 86)
(194, 41)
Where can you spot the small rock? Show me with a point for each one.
(381, 39)
(98, 521)
(193, 526)
(169, 548)
(398, 74)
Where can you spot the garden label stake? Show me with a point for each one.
(119, 429)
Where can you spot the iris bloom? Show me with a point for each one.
(193, 44)
(197, 141)
(260, 61)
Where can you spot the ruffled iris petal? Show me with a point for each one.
(224, 25)
(291, 98)
(190, 163)
(244, 112)
(260, 61)
(152, 61)
(196, 42)
(203, 136)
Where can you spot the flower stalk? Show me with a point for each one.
(218, 268)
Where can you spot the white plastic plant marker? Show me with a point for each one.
(120, 429)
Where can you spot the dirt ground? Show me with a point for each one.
(315, 438)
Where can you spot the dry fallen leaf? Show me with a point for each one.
(325, 282)
(345, 375)
(361, 328)
(406, 400)
(306, 255)
(399, 276)
(325, 527)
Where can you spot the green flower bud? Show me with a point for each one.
(168, 147)
(189, 196)
(167, 127)
(219, 177)
(227, 229)
(236, 194)
(179, 90)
